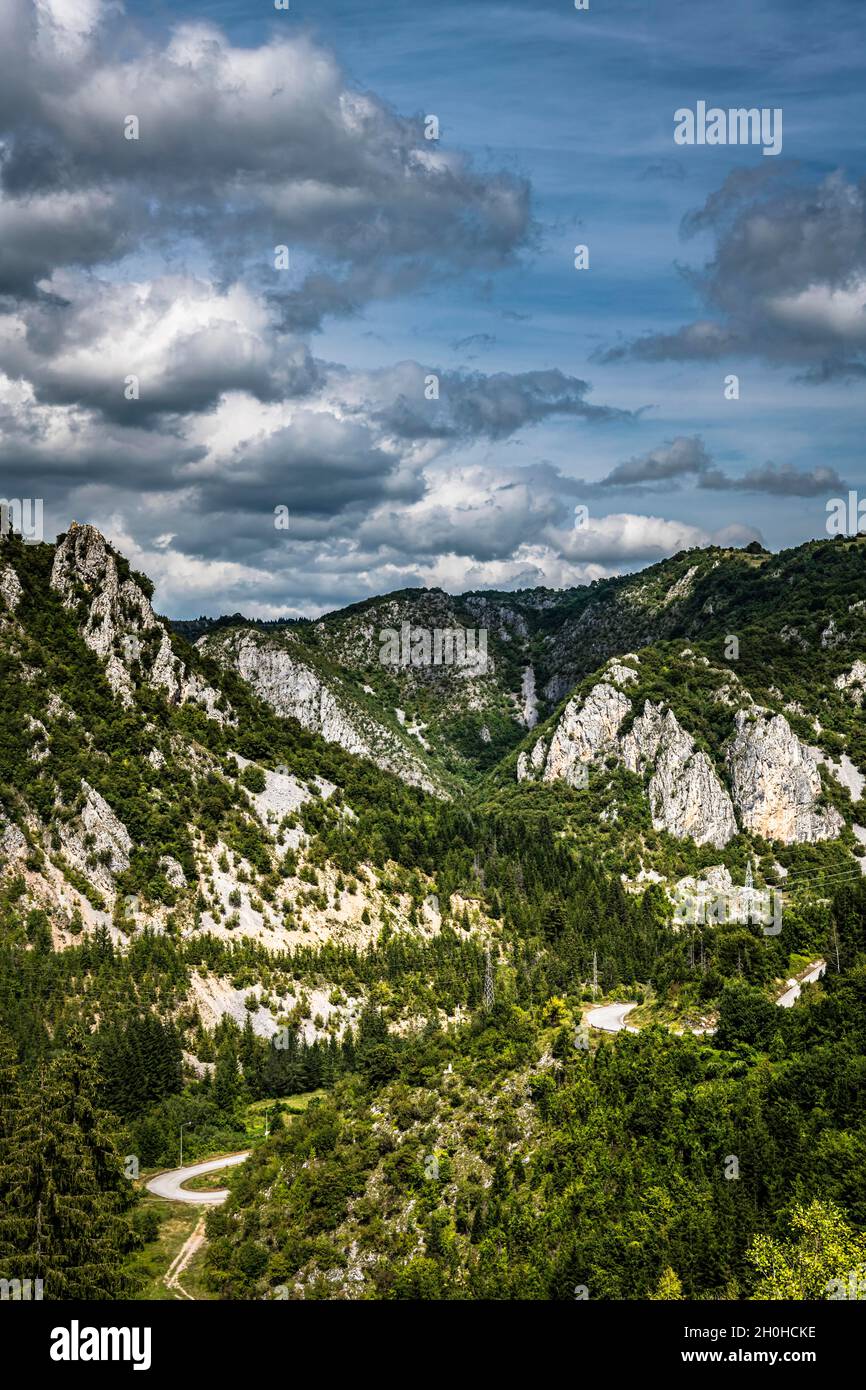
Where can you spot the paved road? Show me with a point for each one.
(610, 1018)
(170, 1184)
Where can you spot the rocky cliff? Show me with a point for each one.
(773, 789)
(275, 669)
(117, 622)
(776, 781)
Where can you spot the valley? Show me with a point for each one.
(466, 966)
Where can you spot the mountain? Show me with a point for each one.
(309, 862)
(727, 682)
(733, 730)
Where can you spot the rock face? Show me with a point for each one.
(297, 691)
(119, 624)
(97, 843)
(529, 708)
(585, 732)
(10, 588)
(854, 681)
(686, 797)
(12, 843)
(776, 781)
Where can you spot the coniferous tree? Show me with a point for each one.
(64, 1214)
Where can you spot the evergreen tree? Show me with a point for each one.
(65, 1199)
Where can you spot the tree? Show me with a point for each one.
(65, 1198)
(825, 1258)
(668, 1286)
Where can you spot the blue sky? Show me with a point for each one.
(577, 109)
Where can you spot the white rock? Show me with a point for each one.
(10, 587)
(776, 781)
(119, 614)
(853, 680)
(585, 731)
(687, 798)
(295, 690)
(529, 709)
(173, 871)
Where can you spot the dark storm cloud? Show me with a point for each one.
(319, 466)
(185, 343)
(674, 459)
(473, 405)
(787, 281)
(777, 480)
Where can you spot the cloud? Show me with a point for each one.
(778, 480)
(786, 283)
(238, 149)
(687, 456)
(471, 404)
(631, 538)
(186, 341)
(675, 459)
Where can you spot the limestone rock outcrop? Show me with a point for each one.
(118, 623)
(687, 798)
(777, 782)
(296, 690)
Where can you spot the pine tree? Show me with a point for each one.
(63, 1215)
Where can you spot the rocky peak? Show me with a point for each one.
(586, 730)
(686, 796)
(118, 623)
(775, 781)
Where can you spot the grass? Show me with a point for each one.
(208, 1182)
(176, 1224)
(258, 1110)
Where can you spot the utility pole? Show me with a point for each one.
(182, 1128)
(594, 973)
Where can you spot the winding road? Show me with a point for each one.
(170, 1184)
(610, 1018)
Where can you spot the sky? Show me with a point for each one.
(289, 305)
